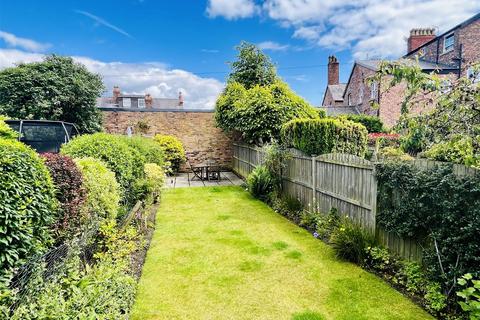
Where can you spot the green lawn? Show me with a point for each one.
(217, 253)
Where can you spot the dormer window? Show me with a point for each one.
(141, 103)
(448, 42)
(126, 102)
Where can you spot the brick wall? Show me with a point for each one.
(196, 129)
(358, 87)
(329, 101)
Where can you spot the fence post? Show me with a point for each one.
(314, 182)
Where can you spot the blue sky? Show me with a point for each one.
(162, 47)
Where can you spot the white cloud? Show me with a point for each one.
(139, 78)
(232, 9)
(210, 51)
(370, 28)
(24, 43)
(103, 22)
(273, 46)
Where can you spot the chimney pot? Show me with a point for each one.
(148, 100)
(418, 37)
(180, 99)
(333, 70)
(116, 93)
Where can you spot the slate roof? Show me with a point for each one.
(337, 91)
(157, 103)
(336, 111)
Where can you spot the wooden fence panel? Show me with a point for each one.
(342, 181)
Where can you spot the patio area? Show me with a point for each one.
(185, 180)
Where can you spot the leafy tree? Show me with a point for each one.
(252, 67)
(55, 89)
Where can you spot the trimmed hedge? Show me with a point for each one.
(69, 192)
(151, 150)
(320, 136)
(173, 150)
(27, 205)
(5, 131)
(372, 123)
(126, 162)
(103, 193)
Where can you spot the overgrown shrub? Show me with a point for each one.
(275, 161)
(126, 162)
(320, 136)
(462, 150)
(150, 186)
(372, 123)
(327, 224)
(437, 207)
(260, 183)
(392, 153)
(286, 205)
(70, 193)
(28, 206)
(259, 112)
(173, 150)
(415, 139)
(147, 147)
(5, 131)
(103, 191)
(350, 240)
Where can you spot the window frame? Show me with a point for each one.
(450, 47)
(373, 90)
(143, 103)
(127, 105)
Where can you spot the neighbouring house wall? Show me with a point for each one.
(196, 129)
(329, 101)
(359, 90)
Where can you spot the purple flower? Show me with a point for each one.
(315, 235)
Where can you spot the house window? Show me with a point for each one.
(141, 103)
(349, 99)
(473, 75)
(373, 90)
(127, 102)
(448, 42)
(360, 95)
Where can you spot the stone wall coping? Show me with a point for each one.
(117, 109)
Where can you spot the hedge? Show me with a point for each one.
(5, 131)
(126, 162)
(151, 150)
(103, 191)
(320, 136)
(69, 192)
(372, 123)
(27, 205)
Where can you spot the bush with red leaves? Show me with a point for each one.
(69, 192)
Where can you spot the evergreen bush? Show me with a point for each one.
(173, 150)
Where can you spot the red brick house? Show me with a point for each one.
(450, 54)
(135, 101)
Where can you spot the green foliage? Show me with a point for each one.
(103, 193)
(55, 89)
(259, 112)
(260, 183)
(285, 205)
(380, 260)
(470, 294)
(320, 136)
(155, 177)
(126, 162)
(6, 132)
(462, 150)
(350, 240)
(431, 205)
(415, 138)
(173, 150)
(252, 67)
(150, 149)
(435, 299)
(28, 206)
(275, 160)
(372, 123)
(327, 224)
(392, 153)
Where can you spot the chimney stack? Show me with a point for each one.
(116, 93)
(333, 70)
(418, 37)
(180, 99)
(148, 101)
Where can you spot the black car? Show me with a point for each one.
(44, 135)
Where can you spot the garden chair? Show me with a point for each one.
(197, 171)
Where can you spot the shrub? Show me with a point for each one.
(275, 161)
(470, 293)
(285, 205)
(103, 193)
(69, 192)
(259, 112)
(5, 131)
(260, 182)
(372, 123)
(150, 186)
(327, 224)
(350, 240)
(415, 139)
(383, 139)
(380, 260)
(173, 150)
(458, 150)
(393, 153)
(147, 147)
(27, 205)
(125, 162)
(320, 136)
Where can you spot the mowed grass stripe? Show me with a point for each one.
(217, 253)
